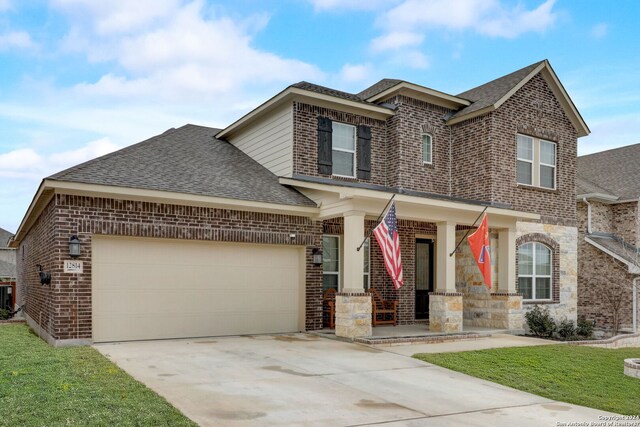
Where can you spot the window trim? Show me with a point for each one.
(534, 276)
(430, 162)
(338, 271)
(343, 150)
(536, 163)
(554, 166)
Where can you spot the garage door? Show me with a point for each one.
(159, 288)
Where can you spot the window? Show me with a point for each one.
(344, 149)
(330, 262)
(367, 268)
(534, 271)
(427, 148)
(536, 162)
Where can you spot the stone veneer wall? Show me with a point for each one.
(566, 239)
(63, 309)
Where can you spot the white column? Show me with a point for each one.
(507, 260)
(445, 265)
(353, 259)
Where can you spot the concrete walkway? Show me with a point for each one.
(285, 380)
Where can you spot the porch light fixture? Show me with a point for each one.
(317, 256)
(74, 247)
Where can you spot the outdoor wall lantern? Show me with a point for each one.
(74, 246)
(45, 277)
(317, 256)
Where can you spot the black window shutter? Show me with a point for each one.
(325, 163)
(363, 152)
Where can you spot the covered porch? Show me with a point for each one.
(442, 287)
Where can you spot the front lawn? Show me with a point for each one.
(45, 386)
(581, 375)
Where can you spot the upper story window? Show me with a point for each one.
(536, 162)
(427, 148)
(344, 149)
(534, 271)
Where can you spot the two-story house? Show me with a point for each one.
(608, 198)
(204, 232)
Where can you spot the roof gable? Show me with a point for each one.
(4, 237)
(490, 96)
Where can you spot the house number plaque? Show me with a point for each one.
(72, 266)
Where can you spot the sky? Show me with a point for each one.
(82, 78)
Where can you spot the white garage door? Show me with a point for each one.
(159, 288)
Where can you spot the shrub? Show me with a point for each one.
(566, 329)
(4, 314)
(584, 328)
(540, 322)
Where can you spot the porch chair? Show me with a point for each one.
(329, 308)
(383, 312)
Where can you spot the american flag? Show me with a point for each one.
(387, 236)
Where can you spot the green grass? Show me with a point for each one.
(584, 376)
(45, 386)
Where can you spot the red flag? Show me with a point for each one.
(387, 236)
(479, 242)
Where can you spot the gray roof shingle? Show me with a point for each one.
(187, 160)
(4, 237)
(491, 92)
(616, 245)
(377, 88)
(326, 91)
(615, 171)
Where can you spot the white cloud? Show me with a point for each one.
(16, 40)
(396, 40)
(5, 5)
(181, 55)
(27, 163)
(351, 73)
(599, 31)
(488, 17)
(333, 5)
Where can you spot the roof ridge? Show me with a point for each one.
(610, 150)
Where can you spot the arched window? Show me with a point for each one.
(535, 271)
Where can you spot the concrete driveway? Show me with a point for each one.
(307, 380)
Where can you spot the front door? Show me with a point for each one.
(424, 276)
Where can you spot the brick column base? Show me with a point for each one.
(353, 315)
(445, 312)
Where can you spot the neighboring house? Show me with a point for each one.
(608, 191)
(7, 272)
(203, 232)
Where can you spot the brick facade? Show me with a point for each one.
(598, 270)
(63, 308)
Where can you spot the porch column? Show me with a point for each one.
(506, 301)
(353, 305)
(445, 304)
(445, 264)
(507, 260)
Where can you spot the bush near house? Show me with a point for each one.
(45, 386)
(541, 324)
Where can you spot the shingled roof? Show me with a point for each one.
(4, 237)
(489, 93)
(186, 160)
(377, 88)
(615, 171)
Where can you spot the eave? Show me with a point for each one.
(291, 94)
(422, 93)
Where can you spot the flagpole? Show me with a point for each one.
(377, 221)
(467, 233)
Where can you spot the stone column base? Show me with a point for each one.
(507, 311)
(353, 315)
(445, 312)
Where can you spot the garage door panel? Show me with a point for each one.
(157, 288)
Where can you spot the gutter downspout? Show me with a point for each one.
(584, 199)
